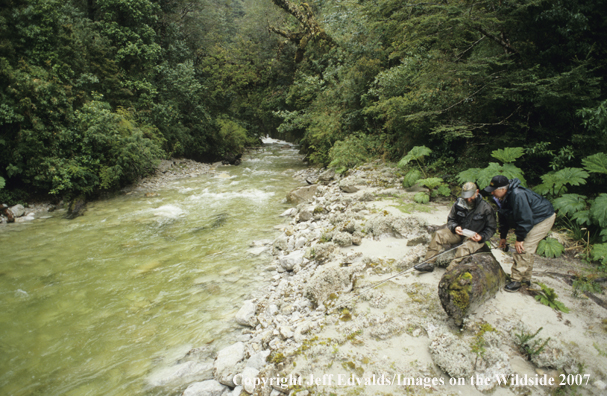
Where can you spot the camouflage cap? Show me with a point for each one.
(468, 190)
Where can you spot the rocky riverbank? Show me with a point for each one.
(320, 328)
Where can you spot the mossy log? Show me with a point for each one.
(469, 284)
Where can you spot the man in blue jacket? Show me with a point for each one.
(531, 216)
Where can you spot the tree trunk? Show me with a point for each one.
(469, 284)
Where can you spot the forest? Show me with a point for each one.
(93, 93)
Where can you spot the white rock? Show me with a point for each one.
(206, 388)
(246, 315)
(289, 261)
(600, 385)
(258, 360)
(184, 371)
(224, 367)
(286, 332)
(248, 379)
(289, 212)
(18, 210)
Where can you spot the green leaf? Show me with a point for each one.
(431, 182)
(572, 176)
(598, 210)
(444, 190)
(416, 153)
(582, 217)
(421, 197)
(2, 183)
(550, 248)
(604, 234)
(569, 204)
(411, 177)
(596, 163)
(509, 154)
(469, 175)
(599, 253)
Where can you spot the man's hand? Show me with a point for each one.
(502, 244)
(458, 230)
(476, 238)
(519, 247)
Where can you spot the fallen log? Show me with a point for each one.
(468, 285)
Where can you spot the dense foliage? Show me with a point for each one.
(349, 79)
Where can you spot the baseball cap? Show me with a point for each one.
(468, 190)
(497, 182)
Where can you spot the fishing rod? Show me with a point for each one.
(373, 286)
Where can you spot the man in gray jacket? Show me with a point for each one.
(470, 213)
(531, 216)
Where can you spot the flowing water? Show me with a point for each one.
(92, 306)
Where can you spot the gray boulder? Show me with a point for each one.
(18, 210)
(248, 379)
(184, 372)
(305, 214)
(328, 281)
(226, 363)
(258, 360)
(453, 355)
(327, 176)
(342, 239)
(301, 194)
(289, 261)
(246, 314)
(385, 224)
(206, 388)
(348, 186)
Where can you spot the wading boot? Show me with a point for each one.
(425, 267)
(515, 285)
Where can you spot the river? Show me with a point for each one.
(93, 305)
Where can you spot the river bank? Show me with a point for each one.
(307, 335)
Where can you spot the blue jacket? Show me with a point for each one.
(521, 209)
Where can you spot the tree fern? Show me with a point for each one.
(596, 163)
(508, 154)
(598, 211)
(569, 204)
(550, 248)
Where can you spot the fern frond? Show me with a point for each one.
(2, 183)
(598, 210)
(569, 204)
(508, 154)
(596, 163)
